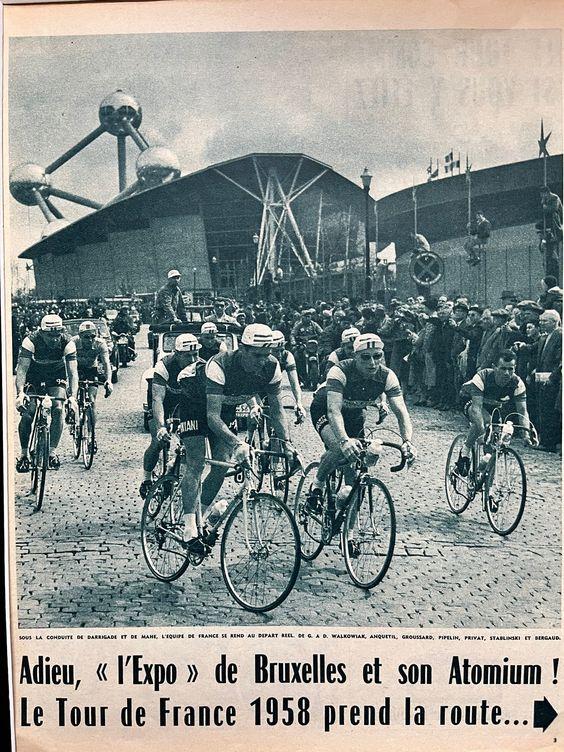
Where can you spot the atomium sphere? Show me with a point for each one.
(52, 227)
(157, 165)
(117, 109)
(24, 178)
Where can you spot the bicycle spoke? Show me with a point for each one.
(259, 555)
(506, 493)
(369, 535)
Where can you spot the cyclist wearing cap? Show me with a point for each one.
(338, 407)
(491, 388)
(92, 351)
(210, 342)
(46, 357)
(233, 378)
(288, 364)
(345, 351)
(166, 395)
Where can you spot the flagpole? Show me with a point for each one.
(414, 196)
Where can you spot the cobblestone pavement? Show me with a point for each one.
(80, 562)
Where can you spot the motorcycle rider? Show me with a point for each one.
(210, 342)
(304, 330)
(123, 324)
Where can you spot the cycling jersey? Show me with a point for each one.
(91, 355)
(165, 373)
(357, 390)
(287, 361)
(48, 364)
(208, 352)
(334, 358)
(226, 376)
(358, 393)
(483, 384)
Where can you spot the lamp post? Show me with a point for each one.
(366, 178)
(194, 272)
(214, 276)
(256, 242)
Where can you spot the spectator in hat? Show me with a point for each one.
(169, 306)
(551, 295)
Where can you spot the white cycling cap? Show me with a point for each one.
(257, 335)
(186, 343)
(350, 334)
(368, 342)
(51, 322)
(173, 273)
(278, 338)
(87, 326)
(208, 328)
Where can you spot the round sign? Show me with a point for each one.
(426, 268)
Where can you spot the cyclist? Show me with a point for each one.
(46, 357)
(91, 351)
(288, 364)
(338, 409)
(210, 343)
(490, 388)
(233, 378)
(166, 394)
(345, 351)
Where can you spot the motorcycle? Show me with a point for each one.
(307, 362)
(126, 353)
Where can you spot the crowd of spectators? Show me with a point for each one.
(434, 345)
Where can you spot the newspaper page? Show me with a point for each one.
(318, 244)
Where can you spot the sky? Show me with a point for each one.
(389, 101)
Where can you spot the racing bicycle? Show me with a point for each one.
(260, 543)
(497, 473)
(365, 520)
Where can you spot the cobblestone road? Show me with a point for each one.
(80, 563)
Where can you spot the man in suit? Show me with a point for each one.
(549, 359)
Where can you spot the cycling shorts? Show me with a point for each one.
(89, 374)
(353, 420)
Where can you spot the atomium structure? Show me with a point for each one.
(120, 115)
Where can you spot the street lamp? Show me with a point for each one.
(256, 242)
(194, 272)
(214, 276)
(366, 178)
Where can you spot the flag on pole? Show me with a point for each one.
(450, 156)
(542, 142)
(28, 267)
(430, 168)
(435, 173)
(468, 169)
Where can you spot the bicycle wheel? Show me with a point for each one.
(369, 534)
(42, 465)
(77, 434)
(260, 552)
(506, 490)
(87, 438)
(309, 521)
(161, 530)
(459, 491)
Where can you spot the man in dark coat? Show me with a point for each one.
(169, 307)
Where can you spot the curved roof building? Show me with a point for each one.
(232, 220)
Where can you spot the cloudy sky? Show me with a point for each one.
(386, 100)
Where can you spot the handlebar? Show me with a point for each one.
(391, 445)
